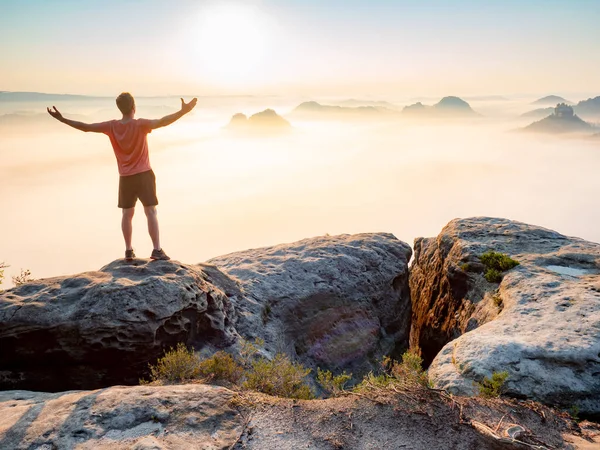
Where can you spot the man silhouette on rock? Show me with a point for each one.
(128, 137)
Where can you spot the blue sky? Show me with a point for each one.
(422, 48)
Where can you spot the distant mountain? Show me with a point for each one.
(39, 97)
(550, 100)
(317, 109)
(356, 103)
(447, 107)
(538, 113)
(264, 120)
(562, 120)
(590, 109)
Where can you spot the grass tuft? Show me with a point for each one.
(493, 387)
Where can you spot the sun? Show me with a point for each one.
(229, 44)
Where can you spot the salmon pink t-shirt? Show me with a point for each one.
(130, 143)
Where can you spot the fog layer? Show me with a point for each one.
(220, 192)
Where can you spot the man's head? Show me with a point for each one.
(126, 103)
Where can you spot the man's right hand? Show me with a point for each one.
(187, 107)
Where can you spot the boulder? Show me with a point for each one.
(541, 323)
(337, 302)
(101, 328)
(190, 416)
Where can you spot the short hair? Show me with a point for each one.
(125, 102)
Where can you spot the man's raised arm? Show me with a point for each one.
(94, 127)
(168, 120)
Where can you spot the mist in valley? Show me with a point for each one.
(221, 191)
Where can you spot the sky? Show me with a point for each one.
(307, 47)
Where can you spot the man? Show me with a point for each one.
(128, 137)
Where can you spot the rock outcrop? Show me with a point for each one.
(447, 107)
(201, 417)
(337, 302)
(101, 328)
(562, 120)
(541, 324)
(318, 110)
(550, 100)
(264, 120)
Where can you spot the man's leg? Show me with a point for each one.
(152, 216)
(127, 226)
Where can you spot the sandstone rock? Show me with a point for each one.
(191, 416)
(101, 328)
(200, 417)
(542, 325)
(337, 302)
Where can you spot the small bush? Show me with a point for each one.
(249, 350)
(498, 261)
(2, 267)
(493, 275)
(177, 365)
(280, 377)
(221, 367)
(333, 385)
(411, 369)
(375, 381)
(493, 387)
(574, 413)
(469, 267)
(22, 278)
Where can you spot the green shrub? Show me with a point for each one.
(493, 275)
(221, 367)
(22, 278)
(249, 350)
(375, 381)
(333, 385)
(280, 377)
(2, 267)
(409, 371)
(179, 364)
(495, 263)
(493, 387)
(574, 413)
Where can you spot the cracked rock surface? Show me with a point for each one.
(336, 302)
(101, 328)
(541, 324)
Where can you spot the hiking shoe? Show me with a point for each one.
(159, 255)
(129, 255)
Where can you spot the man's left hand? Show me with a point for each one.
(56, 113)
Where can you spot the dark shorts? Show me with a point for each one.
(142, 186)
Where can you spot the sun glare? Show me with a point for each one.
(228, 44)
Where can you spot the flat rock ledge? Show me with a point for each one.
(541, 324)
(203, 417)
